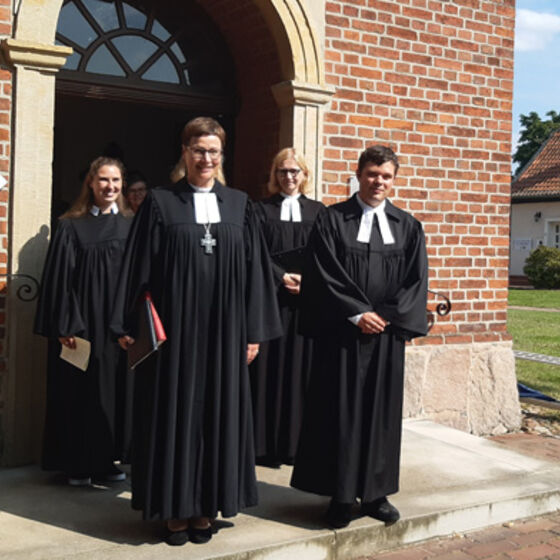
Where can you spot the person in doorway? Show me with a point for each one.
(86, 410)
(364, 295)
(197, 247)
(136, 190)
(279, 375)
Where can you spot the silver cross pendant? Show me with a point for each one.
(208, 242)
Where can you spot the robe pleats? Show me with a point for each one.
(350, 440)
(193, 452)
(280, 373)
(88, 415)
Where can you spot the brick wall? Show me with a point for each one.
(5, 134)
(434, 80)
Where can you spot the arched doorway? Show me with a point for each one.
(298, 92)
(138, 72)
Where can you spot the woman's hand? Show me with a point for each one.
(252, 352)
(292, 282)
(68, 341)
(126, 341)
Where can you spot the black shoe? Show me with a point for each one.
(381, 509)
(338, 515)
(200, 536)
(112, 474)
(176, 538)
(75, 479)
(268, 462)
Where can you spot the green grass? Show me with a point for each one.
(536, 331)
(542, 377)
(534, 298)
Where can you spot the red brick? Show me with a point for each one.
(533, 552)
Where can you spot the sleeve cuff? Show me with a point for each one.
(355, 319)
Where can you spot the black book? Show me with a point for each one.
(290, 261)
(149, 334)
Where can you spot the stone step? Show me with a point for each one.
(451, 482)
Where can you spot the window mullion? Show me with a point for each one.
(157, 65)
(120, 15)
(69, 43)
(174, 60)
(152, 59)
(120, 59)
(89, 18)
(150, 21)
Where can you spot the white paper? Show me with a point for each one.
(79, 356)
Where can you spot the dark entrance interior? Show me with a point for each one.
(145, 137)
(140, 70)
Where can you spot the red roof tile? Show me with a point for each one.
(540, 178)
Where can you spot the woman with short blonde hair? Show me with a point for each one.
(287, 154)
(280, 373)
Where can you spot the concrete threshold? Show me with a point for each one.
(451, 482)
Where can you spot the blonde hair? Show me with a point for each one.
(283, 155)
(82, 205)
(201, 126)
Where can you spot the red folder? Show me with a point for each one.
(150, 334)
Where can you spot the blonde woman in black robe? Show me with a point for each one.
(197, 247)
(280, 374)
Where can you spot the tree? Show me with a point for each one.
(534, 132)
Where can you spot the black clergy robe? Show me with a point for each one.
(349, 445)
(280, 373)
(87, 415)
(193, 451)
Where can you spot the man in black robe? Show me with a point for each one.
(364, 295)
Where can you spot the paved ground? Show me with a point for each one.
(536, 538)
(525, 308)
(542, 447)
(531, 539)
(451, 483)
(534, 357)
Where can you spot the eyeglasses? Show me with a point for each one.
(286, 172)
(200, 153)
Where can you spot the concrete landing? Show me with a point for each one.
(450, 482)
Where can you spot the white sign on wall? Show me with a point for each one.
(522, 244)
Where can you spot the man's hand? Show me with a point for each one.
(252, 352)
(292, 282)
(372, 323)
(126, 341)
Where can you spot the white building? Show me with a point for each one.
(535, 206)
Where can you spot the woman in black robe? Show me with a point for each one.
(86, 411)
(279, 375)
(196, 246)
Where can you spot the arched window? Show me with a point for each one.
(169, 47)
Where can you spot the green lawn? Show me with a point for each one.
(534, 298)
(536, 331)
